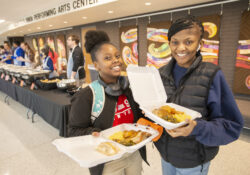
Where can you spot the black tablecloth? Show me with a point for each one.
(53, 105)
(8, 88)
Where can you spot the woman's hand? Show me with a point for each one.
(183, 130)
(95, 134)
(20, 59)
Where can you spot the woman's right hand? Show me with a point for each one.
(95, 134)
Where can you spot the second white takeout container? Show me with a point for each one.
(82, 149)
(149, 93)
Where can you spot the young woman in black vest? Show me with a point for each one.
(202, 87)
(119, 106)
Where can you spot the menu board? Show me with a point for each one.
(242, 66)
(159, 52)
(128, 44)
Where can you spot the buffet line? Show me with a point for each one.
(36, 78)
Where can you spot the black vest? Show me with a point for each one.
(192, 92)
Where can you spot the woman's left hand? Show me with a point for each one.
(183, 130)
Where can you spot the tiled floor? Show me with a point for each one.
(26, 149)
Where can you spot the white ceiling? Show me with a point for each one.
(13, 11)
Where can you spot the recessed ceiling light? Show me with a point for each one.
(110, 11)
(38, 27)
(84, 17)
(148, 3)
(2, 20)
(50, 25)
(65, 22)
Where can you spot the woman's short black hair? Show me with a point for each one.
(184, 23)
(45, 50)
(16, 42)
(94, 40)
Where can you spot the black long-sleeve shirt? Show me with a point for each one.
(78, 60)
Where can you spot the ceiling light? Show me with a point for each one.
(38, 27)
(84, 17)
(65, 22)
(110, 11)
(2, 20)
(148, 3)
(50, 25)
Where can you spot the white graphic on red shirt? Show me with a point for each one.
(123, 112)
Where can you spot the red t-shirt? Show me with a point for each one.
(54, 59)
(123, 112)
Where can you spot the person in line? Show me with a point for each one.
(18, 54)
(1, 51)
(75, 66)
(118, 107)
(53, 55)
(47, 62)
(28, 59)
(202, 87)
(6, 58)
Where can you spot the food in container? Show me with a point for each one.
(107, 148)
(133, 144)
(170, 114)
(129, 137)
(50, 81)
(99, 149)
(47, 84)
(149, 93)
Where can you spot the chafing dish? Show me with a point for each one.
(66, 84)
(32, 75)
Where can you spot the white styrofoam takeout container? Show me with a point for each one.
(149, 93)
(82, 149)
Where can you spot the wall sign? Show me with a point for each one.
(71, 6)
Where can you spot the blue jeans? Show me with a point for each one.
(168, 169)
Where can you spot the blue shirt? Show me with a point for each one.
(48, 64)
(19, 52)
(6, 53)
(225, 120)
